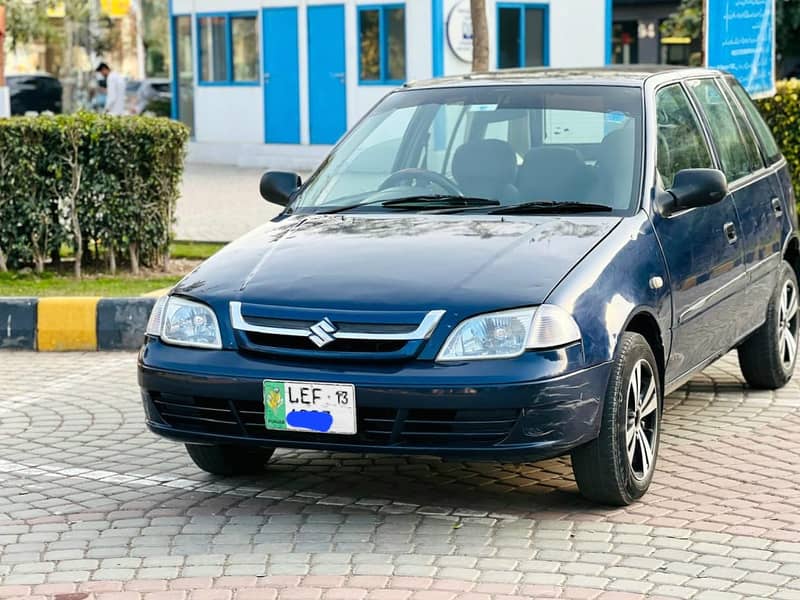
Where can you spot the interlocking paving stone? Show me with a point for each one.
(88, 498)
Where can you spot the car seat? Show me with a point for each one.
(556, 174)
(615, 166)
(487, 169)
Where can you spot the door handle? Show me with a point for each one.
(730, 232)
(339, 76)
(266, 77)
(777, 207)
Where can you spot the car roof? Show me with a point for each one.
(37, 74)
(628, 75)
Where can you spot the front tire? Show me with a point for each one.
(617, 467)
(768, 357)
(229, 460)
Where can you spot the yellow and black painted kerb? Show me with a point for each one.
(73, 324)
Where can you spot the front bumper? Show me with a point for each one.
(478, 411)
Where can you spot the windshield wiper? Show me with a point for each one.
(550, 207)
(428, 201)
(439, 201)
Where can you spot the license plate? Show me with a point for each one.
(306, 406)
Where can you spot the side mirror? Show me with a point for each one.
(693, 188)
(278, 186)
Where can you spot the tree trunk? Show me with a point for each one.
(480, 36)
(3, 265)
(76, 231)
(38, 262)
(134, 250)
(112, 260)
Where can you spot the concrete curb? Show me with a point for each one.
(58, 324)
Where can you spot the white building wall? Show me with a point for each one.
(231, 115)
(577, 33)
(236, 113)
(419, 54)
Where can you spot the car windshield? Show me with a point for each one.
(512, 144)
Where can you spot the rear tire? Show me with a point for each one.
(617, 467)
(767, 358)
(229, 460)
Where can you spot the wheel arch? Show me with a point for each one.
(646, 325)
(791, 254)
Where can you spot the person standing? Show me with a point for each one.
(115, 90)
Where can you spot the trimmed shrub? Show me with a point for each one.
(782, 113)
(75, 178)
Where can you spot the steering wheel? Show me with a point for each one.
(420, 175)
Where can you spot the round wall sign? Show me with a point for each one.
(459, 31)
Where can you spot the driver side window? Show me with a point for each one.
(681, 144)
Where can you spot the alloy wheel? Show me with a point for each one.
(641, 419)
(787, 328)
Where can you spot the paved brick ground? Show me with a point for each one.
(220, 203)
(94, 506)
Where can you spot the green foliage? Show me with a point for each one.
(114, 180)
(194, 250)
(156, 36)
(787, 34)
(782, 113)
(686, 21)
(26, 21)
(53, 284)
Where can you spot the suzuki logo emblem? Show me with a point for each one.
(322, 332)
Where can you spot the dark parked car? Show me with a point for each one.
(36, 92)
(512, 266)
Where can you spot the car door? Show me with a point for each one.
(779, 206)
(701, 246)
(755, 195)
(51, 94)
(23, 94)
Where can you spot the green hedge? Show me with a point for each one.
(782, 113)
(71, 179)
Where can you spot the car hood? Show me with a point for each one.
(387, 262)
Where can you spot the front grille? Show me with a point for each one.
(416, 427)
(344, 335)
(291, 342)
(344, 327)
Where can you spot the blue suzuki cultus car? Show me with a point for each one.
(507, 266)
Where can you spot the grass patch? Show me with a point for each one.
(53, 284)
(193, 250)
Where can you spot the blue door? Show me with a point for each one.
(281, 81)
(327, 102)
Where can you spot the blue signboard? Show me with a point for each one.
(740, 39)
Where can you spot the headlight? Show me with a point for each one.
(183, 322)
(508, 334)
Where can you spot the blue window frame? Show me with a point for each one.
(227, 48)
(523, 35)
(382, 44)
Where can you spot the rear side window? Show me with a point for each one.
(768, 144)
(681, 144)
(737, 149)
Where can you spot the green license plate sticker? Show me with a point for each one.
(309, 406)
